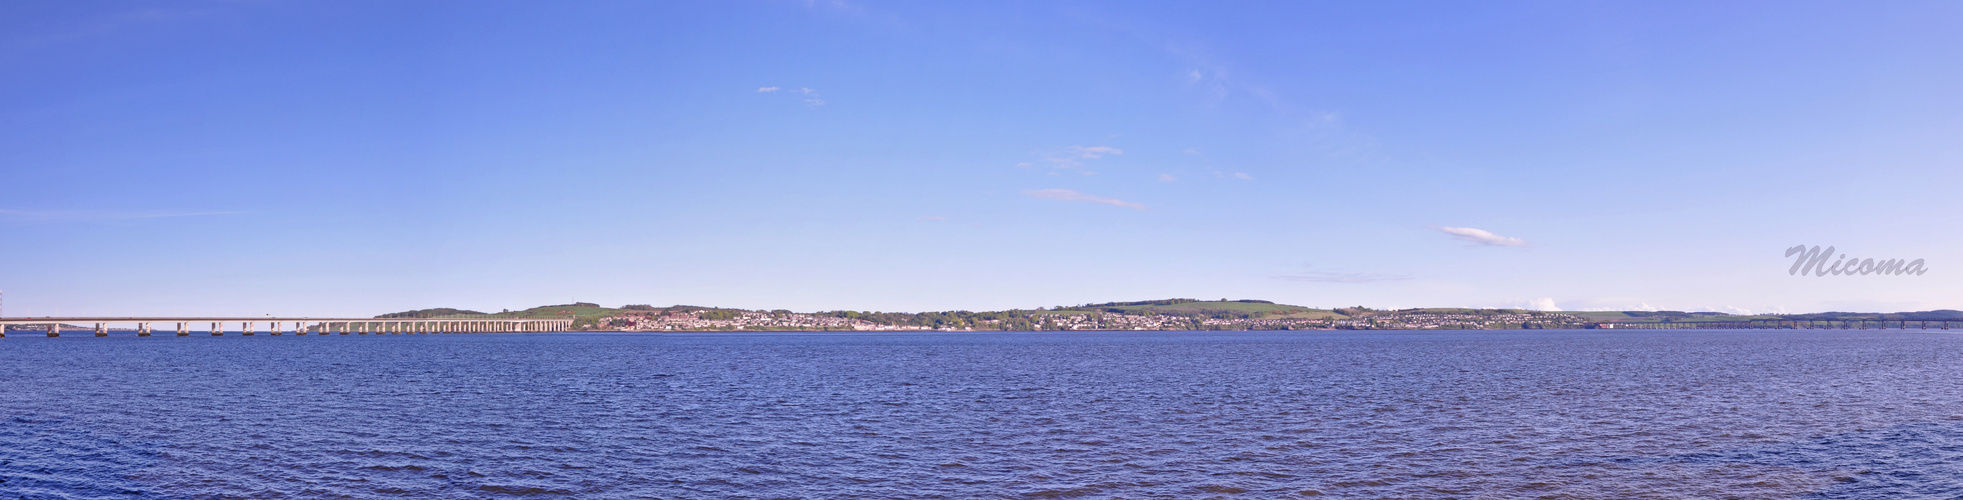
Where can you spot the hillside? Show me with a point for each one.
(1154, 314)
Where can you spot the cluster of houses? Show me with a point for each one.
(1385, 320)
(1420, 320)
(745, 320)
(1388, 320)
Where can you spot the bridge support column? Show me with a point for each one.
(142, 329)
(183, 329)
(54, 329)
(101, 330)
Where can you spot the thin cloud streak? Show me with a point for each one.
(1069, 195)
(1483, 237)
(1072, 157)
(66, 216)
(1335, 277)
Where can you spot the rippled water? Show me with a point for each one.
(1566, 414)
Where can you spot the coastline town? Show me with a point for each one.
(682, 318)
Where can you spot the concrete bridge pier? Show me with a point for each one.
(183, 329)
(54, 329)
(142, 329)
(101, 330)
(217, 329)
(245, 328)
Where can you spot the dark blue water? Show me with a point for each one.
(1566, 414)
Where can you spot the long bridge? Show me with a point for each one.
(299, 326)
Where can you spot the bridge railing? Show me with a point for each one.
(218, 326)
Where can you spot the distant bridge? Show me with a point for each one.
(299, 326)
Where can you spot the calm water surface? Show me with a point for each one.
(1566, 414)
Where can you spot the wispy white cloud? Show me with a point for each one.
(1094, 152)
(63, 216)
(832, 4)
(1074, 156)
(931, 218)
(1483, 237)
(1167, 177)
(1339, 277)
(1069, 195)
(1543, 304)
(1729, 309)
(1235, 175)
(810, 95)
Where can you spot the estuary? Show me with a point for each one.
(1471, 414)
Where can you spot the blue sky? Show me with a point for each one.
(367, 157)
